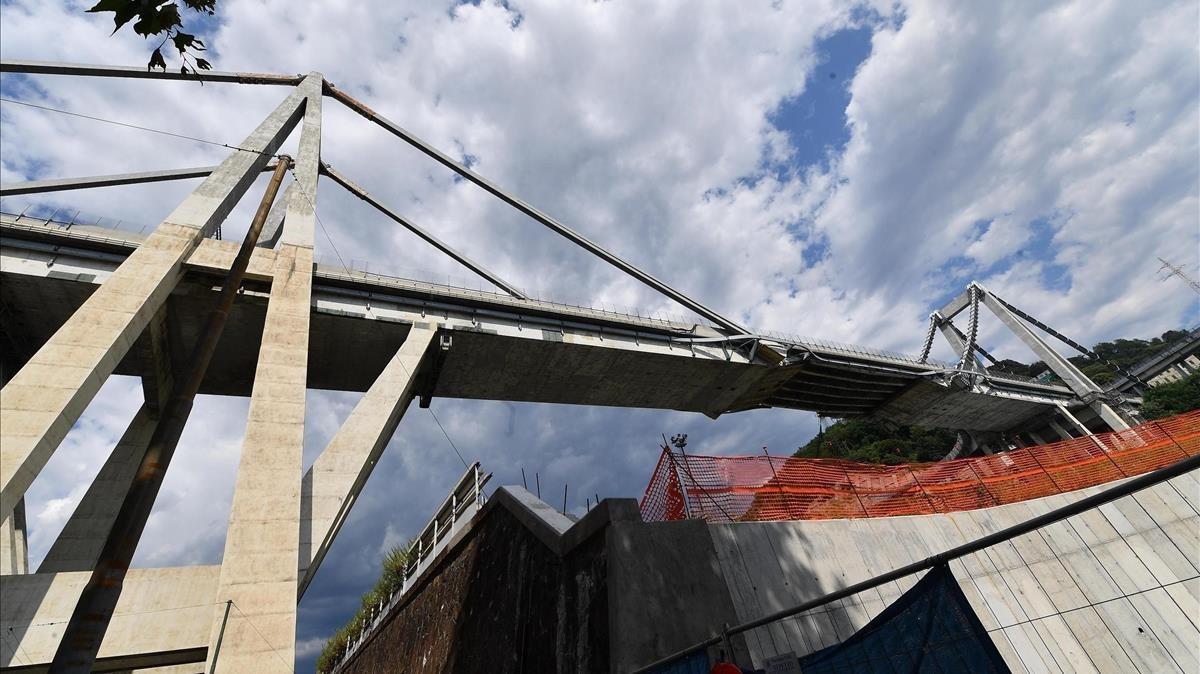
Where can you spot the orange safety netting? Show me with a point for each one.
(741, 488)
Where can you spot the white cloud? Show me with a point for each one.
(646, 127)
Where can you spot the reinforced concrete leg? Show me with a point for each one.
(1036, 438)
(14, 542)
(1073, 420)
(50, 392)
(78, 546)
(258, 571)
(959, 345)
(1114, 419)
(335, 479)
(1062, 432)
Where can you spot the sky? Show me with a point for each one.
(826, 169)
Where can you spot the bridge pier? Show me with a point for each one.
(335, 479)
(49, 393)
(259, 567)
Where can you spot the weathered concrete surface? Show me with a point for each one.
(333, 482)
(149, 627)
(259, 567)
(79, 544)
(45, 397)
(1116, 589)
(499, 601)
(14, 542)
(666, 591)
(525, 588)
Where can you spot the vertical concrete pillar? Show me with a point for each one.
(14, 543)
(258, 571)
(48, 394)
(333, 482)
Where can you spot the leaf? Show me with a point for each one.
(157, 20)
(183, 41)
(203, 65)
(157, 61)
(201, 5)
(123, 10)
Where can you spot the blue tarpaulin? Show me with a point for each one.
(931, 628)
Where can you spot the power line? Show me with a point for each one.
(250, 622)
(131, 126)
(17, 642)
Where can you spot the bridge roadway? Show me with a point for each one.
(497, 347)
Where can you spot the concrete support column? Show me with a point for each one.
(258, 571)
(48, 394)
(958, 344)
(1073, 421)
(1062, 432)
(1072, 376)
(79, 544)
(14, 542)
(333, 482)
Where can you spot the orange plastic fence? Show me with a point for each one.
(741, 488)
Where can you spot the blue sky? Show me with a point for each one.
(833, 170)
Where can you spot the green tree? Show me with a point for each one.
(157, 18)
(872, 441)
(1173, 398)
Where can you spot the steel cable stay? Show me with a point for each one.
(317, 217)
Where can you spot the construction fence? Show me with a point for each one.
(764, 488)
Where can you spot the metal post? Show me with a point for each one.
(850, 482)
(932, 507)
(220, 636)
(995, 501)
(89, 621)
(782, 494)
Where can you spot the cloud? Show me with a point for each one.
(1048, 150)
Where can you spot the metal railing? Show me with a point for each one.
(463, 501)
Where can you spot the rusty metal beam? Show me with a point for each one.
(86, 70)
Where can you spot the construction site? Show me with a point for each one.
(1061, 532)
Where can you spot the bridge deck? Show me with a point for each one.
(502, 348)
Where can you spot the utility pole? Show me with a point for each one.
(1176, 270)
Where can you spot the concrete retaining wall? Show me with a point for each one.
(1116, 589)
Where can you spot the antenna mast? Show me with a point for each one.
(1176, 270)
